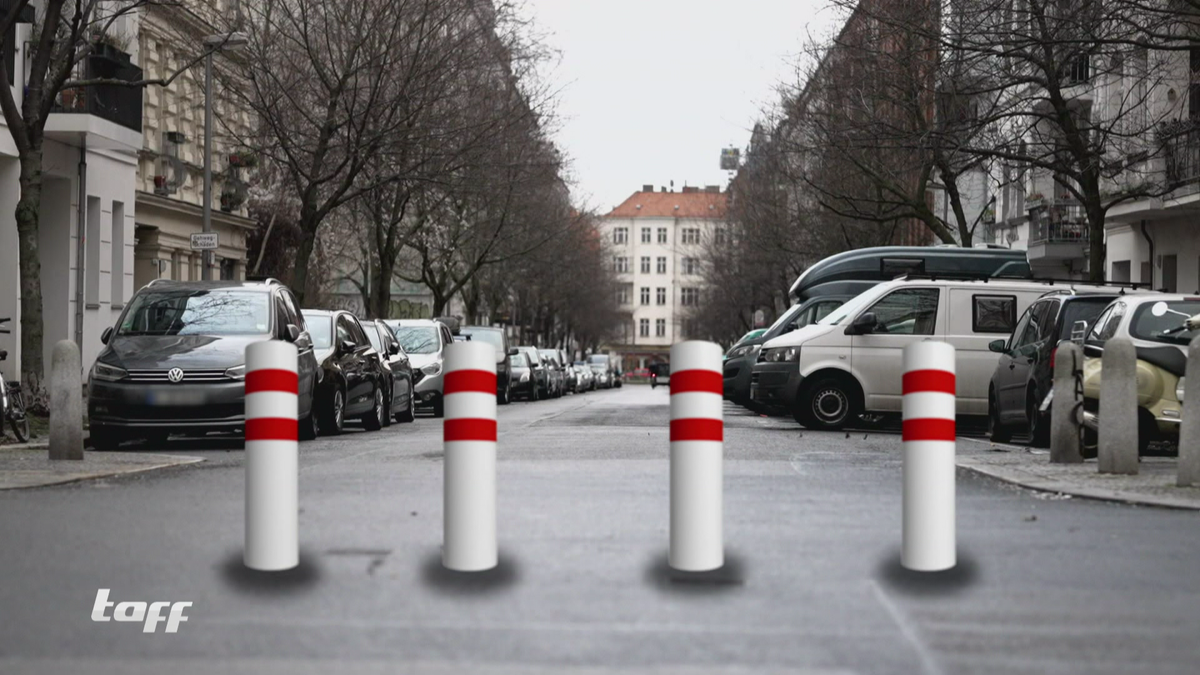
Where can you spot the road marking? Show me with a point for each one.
(928, 665)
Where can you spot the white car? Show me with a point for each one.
(424, 340)
(851, 362)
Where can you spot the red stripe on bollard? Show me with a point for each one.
(459, 381)
(928, 429)
(272, 380)
(706, 381)
(271, 429)
(928, 380)
(469, 429)
(697, 429)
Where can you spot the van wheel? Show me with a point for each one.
(997, 432)
(830, 403)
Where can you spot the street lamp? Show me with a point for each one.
(212, 44)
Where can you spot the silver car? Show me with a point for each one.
(424, 341)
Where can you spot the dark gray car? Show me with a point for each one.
(175, 362)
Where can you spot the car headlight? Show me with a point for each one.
(236, 372)
(1179, 390)
(107, 373)
(432, 369)
(525, 376)
(781, 355)
(738, 351)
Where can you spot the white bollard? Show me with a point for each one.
(697, 446)
(928, 436)
(469, 435)
(272, 457)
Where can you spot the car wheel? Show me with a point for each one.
(997, 432)
(373, 420)
(505, 396)
(104, 440)
(334, 418)
(388, 402)
(1039, 425)
(307, 426)
(829, 404)
(533, 392)
(410, 413)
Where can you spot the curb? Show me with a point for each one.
(165, 462)
(1062, 487)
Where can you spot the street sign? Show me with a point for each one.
(204, 241)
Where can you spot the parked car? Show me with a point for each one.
(523, 382)
(1160, 326)
(425, 343)
(601, 368)
(851, 362)
(540, 372)
(497, 338)
(400, 399)
(660, 373)
(740, 359)
(750, 336)
(1025, 371)
(569, 370)
(558, 371)
(175, 361)
(352, 382)
(587, 381)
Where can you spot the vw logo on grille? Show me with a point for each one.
(175, 374)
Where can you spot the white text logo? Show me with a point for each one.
(138, 611)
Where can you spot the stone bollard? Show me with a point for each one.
(1118, 451)
(1189, 431)
(1064, 420)
(66, 402)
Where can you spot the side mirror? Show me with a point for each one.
(513, 351)
(863, 324)
(347, 346)
(106, 335)
(791, 326)
(998, 346)
(393, 348)
(1078, 331)
(293, 332)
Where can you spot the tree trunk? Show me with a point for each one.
(1096, 244)
(382, 295)
(308, 242)
(27, 215)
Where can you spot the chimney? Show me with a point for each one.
(647, 188)
(691, 189)
(712, 188)
(664, 189)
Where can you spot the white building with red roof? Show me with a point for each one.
(658, 241)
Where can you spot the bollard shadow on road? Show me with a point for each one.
(500, 578)
(299, 579)
(662, 576)
(931, 584)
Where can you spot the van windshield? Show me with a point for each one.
(837, 316)
(198, 312)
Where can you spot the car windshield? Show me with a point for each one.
(492, 337)
(198, 312)
(851, 307)
(518, 361)
(1168, 328)
(320, 329)
(418, 339)
(1081, 310)
(373, 336)
(548, 355)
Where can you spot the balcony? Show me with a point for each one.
(1058, 231)
(1181, 152)
(110, 115)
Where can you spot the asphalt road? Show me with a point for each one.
(813, 582)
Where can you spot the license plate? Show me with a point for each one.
(170, 398)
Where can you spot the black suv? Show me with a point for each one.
(176, 360)
(1025, 372)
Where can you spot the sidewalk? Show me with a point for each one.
(1153, 486)
(26, 465)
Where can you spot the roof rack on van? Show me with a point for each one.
(1048, 281)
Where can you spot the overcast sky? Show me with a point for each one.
(651, 90)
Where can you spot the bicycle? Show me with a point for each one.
(12, 402)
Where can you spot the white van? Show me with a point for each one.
(851, 361)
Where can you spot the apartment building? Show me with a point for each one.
(657, 241)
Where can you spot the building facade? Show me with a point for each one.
(657, 241)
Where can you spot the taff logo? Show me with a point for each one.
(137, 611)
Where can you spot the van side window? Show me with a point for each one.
(910, 311)
(994, 313)
(824, 309)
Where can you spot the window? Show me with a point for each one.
(645, 264)
(662, 296)
(691, 235)
(691, 265)
(911, 311)
(344, 332)
(623, 295)
(117, 271)
(660, 328)
(645, 235)
(718, 236)
(994, 313)
(662, 235)
(620, 264)
(645, 295)
(662, 264)
(824, 309)
(644, 327)
(690, 296)
(620, 235)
